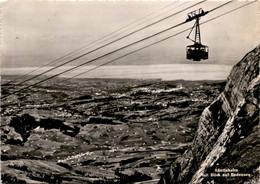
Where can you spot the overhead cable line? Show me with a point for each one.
(86, 46)
(133, 27)
(144, 22)
(230, 11)
(209, 10)
(111, 43)
(100, 57)
(219, 6)
(116, 51)
(69, 70)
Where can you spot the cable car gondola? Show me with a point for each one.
(197, 51)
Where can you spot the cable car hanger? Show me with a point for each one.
(197, 51)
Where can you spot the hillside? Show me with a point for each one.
(226, 145)
(99, 130)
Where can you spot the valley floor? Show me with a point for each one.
(99, 130)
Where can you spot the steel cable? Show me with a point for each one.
(127, 53)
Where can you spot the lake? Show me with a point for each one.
(163, 71)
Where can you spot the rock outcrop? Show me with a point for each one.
(226, 146)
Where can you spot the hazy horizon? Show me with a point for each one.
(163, 71)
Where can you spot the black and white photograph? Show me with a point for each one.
(130, 91)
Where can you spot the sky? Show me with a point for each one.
(34, 33)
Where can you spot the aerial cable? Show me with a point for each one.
(110, 43)
(125, 54)
(85, 46)
(220, 6)
(143, 39)
(136, 25)
(156, 42)
(228, 12)
(145, 21)
(100, 57)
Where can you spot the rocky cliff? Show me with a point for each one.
(226, 146)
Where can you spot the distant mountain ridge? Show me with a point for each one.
(226, 146)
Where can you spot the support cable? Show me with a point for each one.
(69, 54)
(109, 43)
(64, 57)
(157, 42)
(130, 52)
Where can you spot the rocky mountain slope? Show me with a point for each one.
(226, 145)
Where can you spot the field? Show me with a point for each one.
(99, 130)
